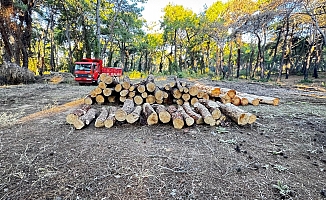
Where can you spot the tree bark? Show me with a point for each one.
(127, 108)
(99, 122)
(72, 117)
(204, 112)
(150, 114)
(85, 119)
(134, 115)
(197, 117)
(110, 120)
(163, 115)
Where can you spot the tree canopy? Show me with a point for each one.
(252, 39)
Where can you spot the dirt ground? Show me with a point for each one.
(281, 156)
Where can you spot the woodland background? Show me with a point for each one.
(239, 38)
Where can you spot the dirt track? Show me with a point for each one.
(44, 158)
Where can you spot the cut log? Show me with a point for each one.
(97, 90)
(110, 120)
(101, 85)
(93, 93)
(112, 99)
(99, 122)
(185, 89)
(178, 101)
(244, 101)
(236, 100)
(193, 100)
(178, 84)
(210, 90)
(141, 88)
(185, 97)
(144, 95)
(150, 99)
(165, 95)
(230, 92)
(108, 80)
(124, 93)
(103, 77)
(107, 92)
(252, 99)
(167, 87)
(122, 99)
(99, 99)
(134, 115)
(150, 114)
(131, 94)
(177, 119)
(72, 117)
(126, 83)
(193, 90)
(138, 100)
(159, 101)
(118, 88)
(197, 117)
(206, 96)
(89, 100)
(176, 93)
(238, 115)
(149, 83)
(213, 108)
(189, 120)
(200, 94)
(225, 98)
(158, 93)
(85, 119)
(252, 118)
(132, 88)
(204, 112)
(269, 100)
(127, 108)
(163, 115)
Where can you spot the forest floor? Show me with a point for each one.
(281, 156)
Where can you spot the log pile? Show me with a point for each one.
(11, 73)
(177, 103)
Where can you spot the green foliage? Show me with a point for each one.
(284, 190)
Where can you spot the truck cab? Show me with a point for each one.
(88, 70)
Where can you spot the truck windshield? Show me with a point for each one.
(83, 67)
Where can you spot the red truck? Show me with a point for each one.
(88, 70)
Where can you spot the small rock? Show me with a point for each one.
(285, 156)
(256, 166)
(237, 149)
(323, 159)
(323, 193)
(238, 169)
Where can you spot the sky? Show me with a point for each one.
(153, 8)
